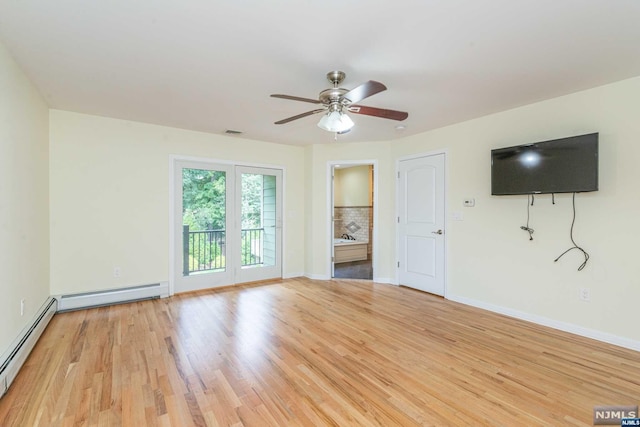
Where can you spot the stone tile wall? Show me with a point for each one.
(355, 221)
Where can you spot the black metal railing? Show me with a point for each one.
(252, 246)
(205, 250)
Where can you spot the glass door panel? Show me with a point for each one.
(202, 222)
(259, 197)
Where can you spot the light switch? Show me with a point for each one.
(456, 215)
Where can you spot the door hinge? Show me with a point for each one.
(398, 264)
(332, 259)
(398, 174)
(398, 220)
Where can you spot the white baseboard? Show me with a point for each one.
(551, 323)
(292, 275)
(112, 296)
(384, 280)
(13, 359)
(318, 276)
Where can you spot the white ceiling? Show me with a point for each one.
(210, 65)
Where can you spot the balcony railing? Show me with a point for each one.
(205, 250)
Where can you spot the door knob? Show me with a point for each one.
(437, 232)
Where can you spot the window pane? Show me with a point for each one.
(203, 219)
(258, 220)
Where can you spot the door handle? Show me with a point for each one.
(437, 232)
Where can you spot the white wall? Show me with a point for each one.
(110, 197)
(319, 232)
(491, 261)
(24, 203)
(352, 186)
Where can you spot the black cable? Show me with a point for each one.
(575, 246)
(553, 198)
(527, 228)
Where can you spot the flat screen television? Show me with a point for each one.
(564, 165)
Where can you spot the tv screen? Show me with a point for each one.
(564, 165)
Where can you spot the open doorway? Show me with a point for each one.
(353, 220)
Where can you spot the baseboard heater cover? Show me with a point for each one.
(13, 359)
(112, 296)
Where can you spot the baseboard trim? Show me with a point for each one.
(13, 359)
(551, 323)
(317, 276)
(106, 297)
(385, 280)
(292, 275)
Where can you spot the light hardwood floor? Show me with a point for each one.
(304, 352)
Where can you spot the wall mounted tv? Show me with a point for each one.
(564, 165)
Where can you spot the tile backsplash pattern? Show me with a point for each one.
(355, 221)
(352, 227)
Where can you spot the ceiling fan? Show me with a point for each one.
(336, 102)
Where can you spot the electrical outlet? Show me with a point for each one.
(117, 272)
(22, 307)
(584, 294)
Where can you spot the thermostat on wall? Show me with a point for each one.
(469, 203)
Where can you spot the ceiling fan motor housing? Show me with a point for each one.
(333, 98)
(328, 96)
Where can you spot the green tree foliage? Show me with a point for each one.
(251, 201)
(203, 199)
(203, 208)
(251, 216)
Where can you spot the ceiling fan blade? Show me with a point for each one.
(378, 112)
(296, 98)
(299, 116)
(363, 91)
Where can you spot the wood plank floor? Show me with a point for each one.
(304, 352)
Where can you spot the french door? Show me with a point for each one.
(227, 224)
(258, 207)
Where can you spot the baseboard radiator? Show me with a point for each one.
(112, 296)
(14, 358)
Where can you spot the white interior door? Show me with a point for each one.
(421, 220)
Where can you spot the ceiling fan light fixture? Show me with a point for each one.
(336, 102)
(335, 121)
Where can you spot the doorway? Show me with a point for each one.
(352, 220)
(226, 224)
(421, 223)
